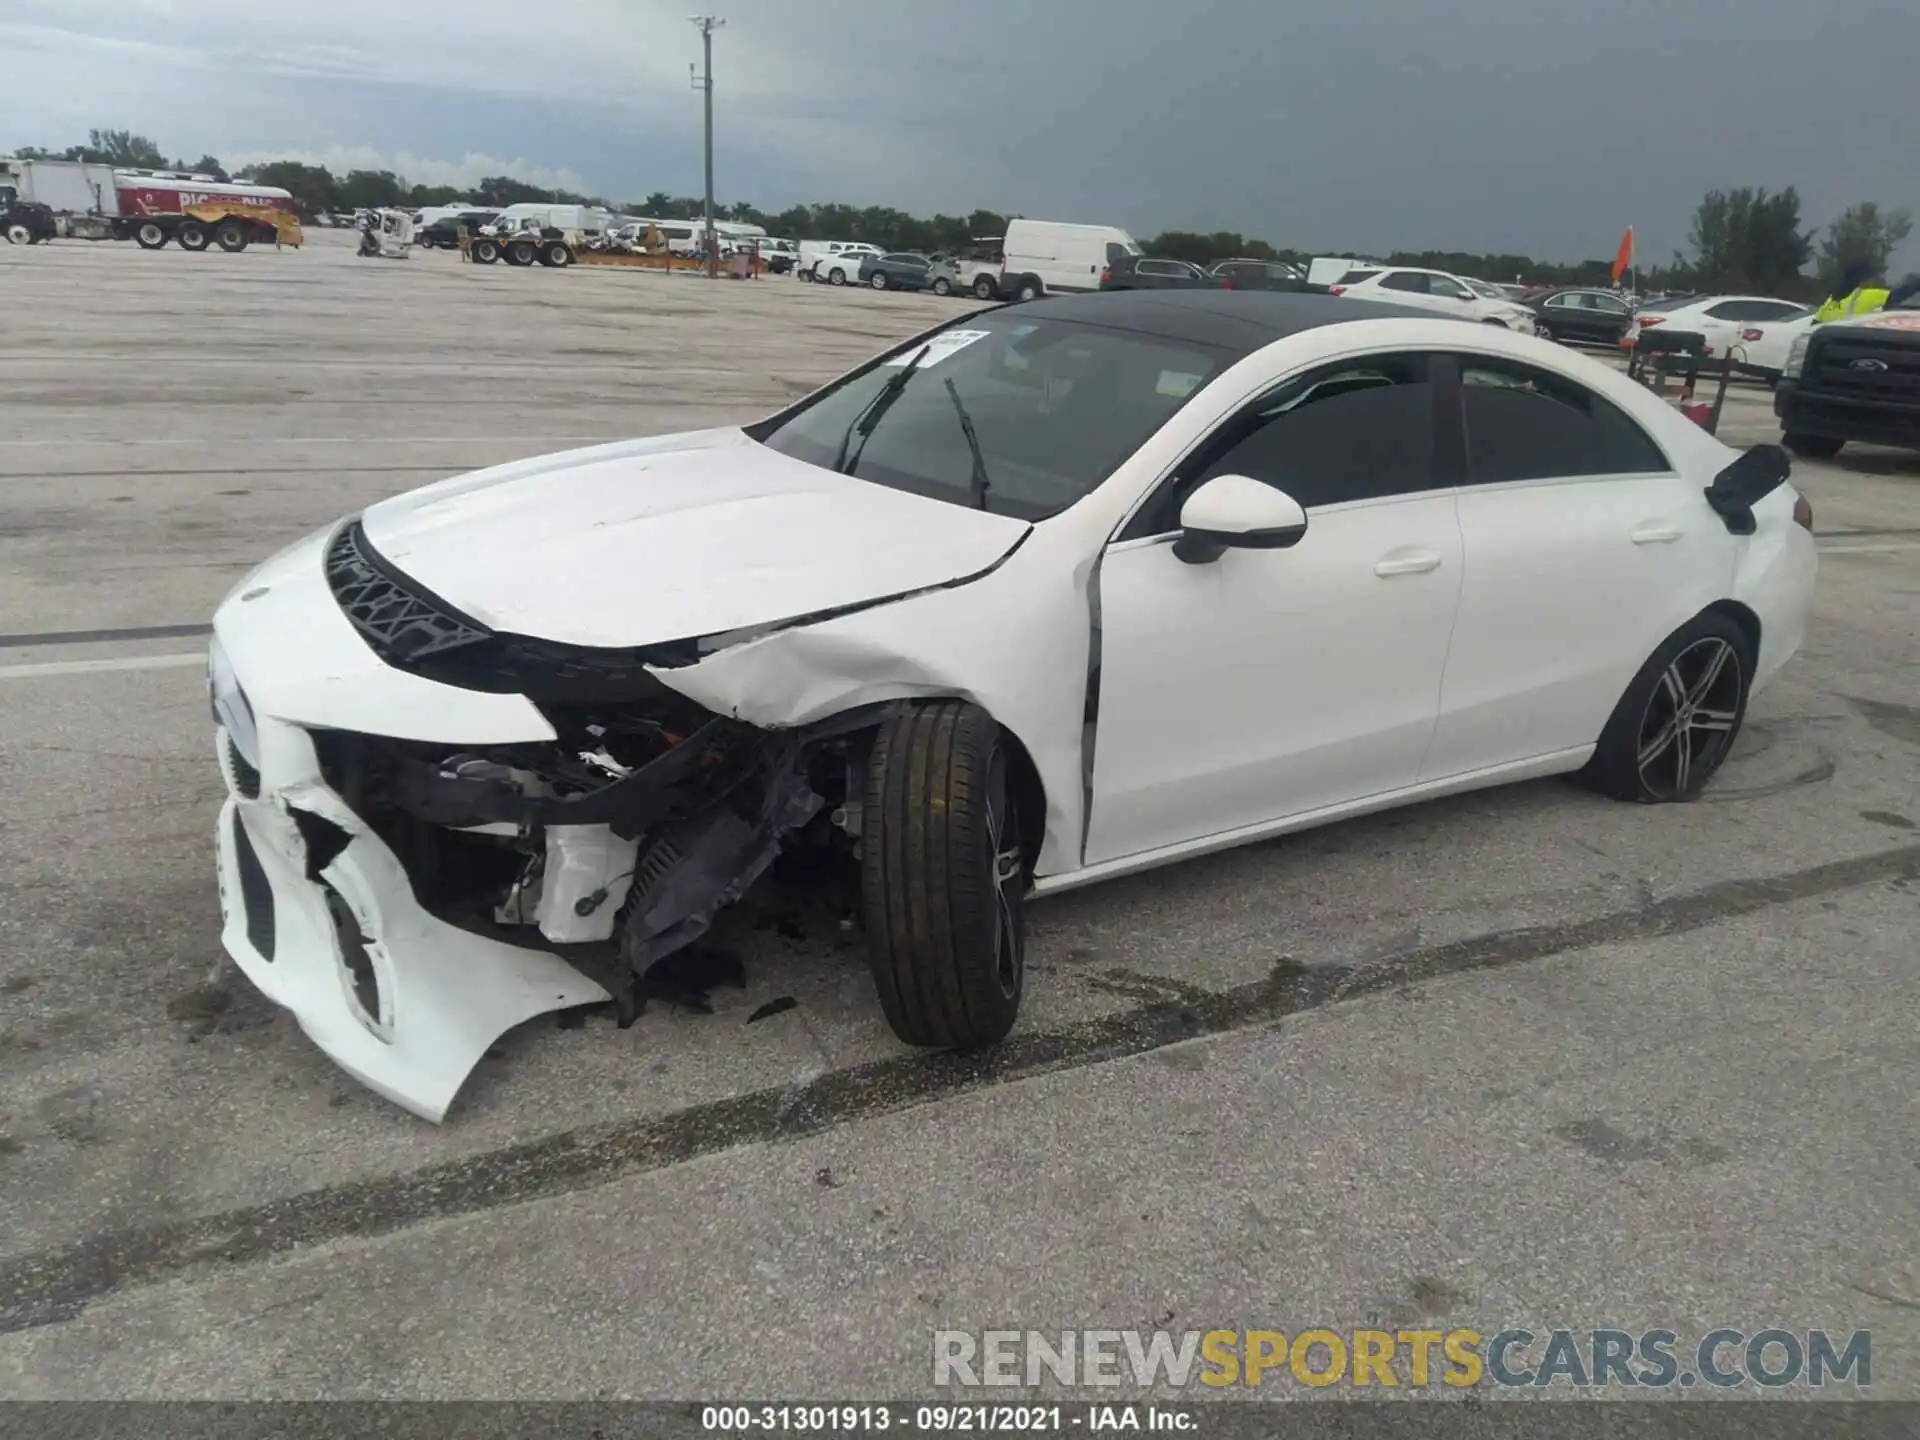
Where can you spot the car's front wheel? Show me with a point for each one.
(1679, 718)
(944, 875)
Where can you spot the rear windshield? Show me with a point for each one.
(1056, 407)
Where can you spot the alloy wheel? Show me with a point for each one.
(1688, 724)
(1008, 877)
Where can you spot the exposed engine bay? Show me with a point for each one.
(617, 843)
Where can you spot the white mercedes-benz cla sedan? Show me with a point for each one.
(1056, 592)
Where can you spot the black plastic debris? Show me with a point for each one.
(774, 1007)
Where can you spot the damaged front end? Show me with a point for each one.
(426, 895)
(617, 843)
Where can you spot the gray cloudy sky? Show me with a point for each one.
(1536, 126)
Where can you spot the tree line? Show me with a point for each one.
(1747, 239)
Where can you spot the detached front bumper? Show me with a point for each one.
(320, 915)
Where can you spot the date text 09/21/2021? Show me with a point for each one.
(944, 1419)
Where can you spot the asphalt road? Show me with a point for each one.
(1523, 1057)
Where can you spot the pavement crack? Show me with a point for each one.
(51, 1286)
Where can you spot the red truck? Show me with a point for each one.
(151, 207)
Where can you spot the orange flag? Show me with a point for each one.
(1623, 257)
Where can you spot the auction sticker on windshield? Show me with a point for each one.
(947, 342)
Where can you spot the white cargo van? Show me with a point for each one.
(1045, 256)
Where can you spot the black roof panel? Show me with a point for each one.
(1241, 321)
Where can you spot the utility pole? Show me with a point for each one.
(708, 24)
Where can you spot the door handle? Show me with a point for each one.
(1415, 562)
(1655, 532)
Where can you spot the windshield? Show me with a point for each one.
(1055, 406)
(1483, 289)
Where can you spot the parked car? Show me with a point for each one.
(1763, 348)
(1432, 290)
(541, 718)
(1582, 316)
(1260, 274)
(1148, 272)
(904, 270)
(779, 255)
(444, 233)
(1721, 320)
(833, 262)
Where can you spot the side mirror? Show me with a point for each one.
(1745, 483)
(1235, 512)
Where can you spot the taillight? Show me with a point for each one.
(1751, 335)
(1106, 274)
(1336, 290)
(1226, 284)
(1803, 513)
(1650, 322)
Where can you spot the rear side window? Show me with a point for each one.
(1356, 277)
(1411, 281)
(1524, 424)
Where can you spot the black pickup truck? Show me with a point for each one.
(1854, 380)
(23, 222)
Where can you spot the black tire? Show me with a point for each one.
(193, 236)
(557, 255)
(879, 281)
(521, 252)
(942, 286)
(1813, 447)
(986, 288)
(1657, 748)
(485, 251)
(943, 877)
(150, 235)
(836, 276)
(231, 236)
(1029, 289)
(18, 234)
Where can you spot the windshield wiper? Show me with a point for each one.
(868, 420)
(978, 487)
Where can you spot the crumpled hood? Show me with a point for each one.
(654, 540)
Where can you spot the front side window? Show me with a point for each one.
(1055, 407)
(1447, 289)
(1358, 429)
(1525, 424)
